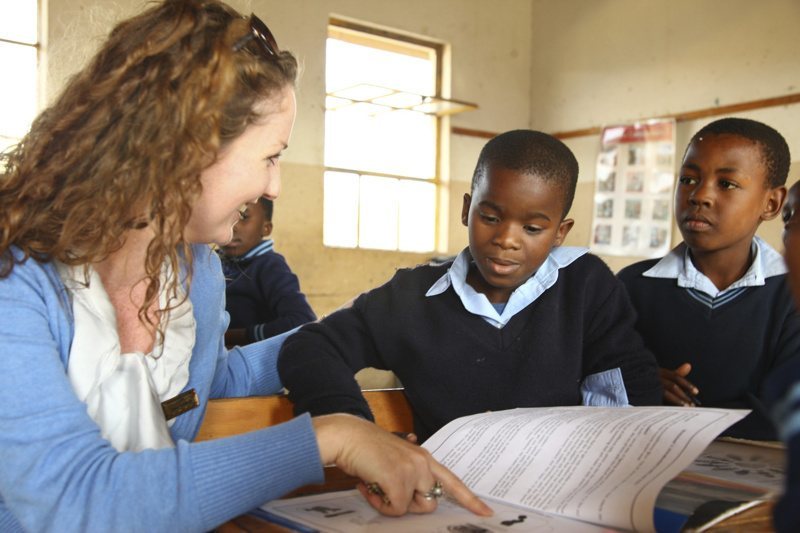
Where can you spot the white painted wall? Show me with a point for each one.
(603, 61)
(600, 62)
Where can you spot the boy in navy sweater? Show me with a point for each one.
(783, 386)
(262, 294)
(516, 320)
(716, 311)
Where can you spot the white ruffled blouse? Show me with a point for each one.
(123, 392)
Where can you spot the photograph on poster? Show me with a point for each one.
(605, 181)
(630, 236)
(662, 182)
(658, 237)
(608, 158)
(634, 181)
(660, 210)
(635, 155)
(605, 208)
(602, 234)
(664, 155)
(633, 209)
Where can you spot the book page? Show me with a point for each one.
(596, 464)
(348, 512)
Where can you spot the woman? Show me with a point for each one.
(113, 303)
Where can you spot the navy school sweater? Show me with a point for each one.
(263, 296)
(453, 363)
(732, 348)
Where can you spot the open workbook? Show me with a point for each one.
(542, 469)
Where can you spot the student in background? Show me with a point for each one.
(716, 310)
(516, 320)
(262, 294)
(783, 386)
(113, 302)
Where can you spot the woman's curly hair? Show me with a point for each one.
(125, 143)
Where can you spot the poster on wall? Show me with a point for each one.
(633, 189)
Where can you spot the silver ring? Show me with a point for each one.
(436, 491)
(374, 488)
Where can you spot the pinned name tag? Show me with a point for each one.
(185, 401)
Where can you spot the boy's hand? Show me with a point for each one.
(235, 337)
(410, 437)
(677, 389)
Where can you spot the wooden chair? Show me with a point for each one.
(232, 416)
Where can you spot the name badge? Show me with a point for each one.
(185, 401)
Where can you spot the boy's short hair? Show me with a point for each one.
(773, 146)
(531, 152)
(267, 206)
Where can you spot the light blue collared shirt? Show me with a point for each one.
(478, 304)
(677, 264)
(259, 249)
(607, 388)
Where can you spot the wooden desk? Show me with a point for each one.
(239, 415)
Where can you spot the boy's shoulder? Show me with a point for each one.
(266, 260)
(587, 275)
(421, 274)
(636, 270)
(406, 285)
(587, 264)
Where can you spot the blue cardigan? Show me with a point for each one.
(59, 474)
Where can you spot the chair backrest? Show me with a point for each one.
(231, 416)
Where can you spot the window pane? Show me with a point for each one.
(6, 143)
(369, 79)
(18, 90)
(372, 138)
(417, 216)
(18, 21)
(340, 210)
(378, 213)
(345, 68)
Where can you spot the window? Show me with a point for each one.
(19, 51)
(381, 182)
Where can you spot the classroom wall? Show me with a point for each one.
(600, 62)
(552, 65)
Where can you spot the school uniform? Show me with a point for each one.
(733, 337)
(565, 337)
(262, 294)
(783, 396)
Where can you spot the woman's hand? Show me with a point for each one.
(677, 389)
(403, 472)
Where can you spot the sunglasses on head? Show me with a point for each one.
(263, 37)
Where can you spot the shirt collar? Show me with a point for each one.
(677, 264)
(477, 303)
(260, 249)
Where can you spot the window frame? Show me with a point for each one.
(439, 50)
(38, 45)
